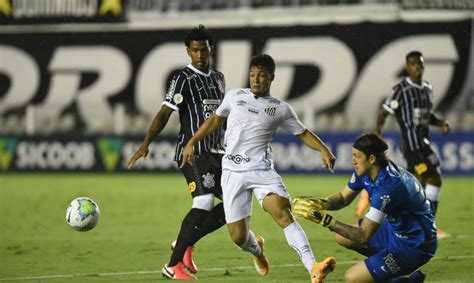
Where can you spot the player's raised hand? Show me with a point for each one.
(328, 159)
(142, 151)
(317, 203)
(308, 211)
(188, 155)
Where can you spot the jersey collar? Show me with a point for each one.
(410, 82)
(190, 66)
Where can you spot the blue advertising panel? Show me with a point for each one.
(110, 153)
(456, 152)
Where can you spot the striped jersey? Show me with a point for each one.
(412, 106)
(196, 95)
(251, 124)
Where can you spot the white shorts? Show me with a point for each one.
(237, 188)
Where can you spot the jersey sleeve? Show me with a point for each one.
(393, 101)
(355, 183)
(224, 109)
(174, 96)
(291, 123)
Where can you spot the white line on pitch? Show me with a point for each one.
(204, 269)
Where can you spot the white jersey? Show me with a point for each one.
(251, 123)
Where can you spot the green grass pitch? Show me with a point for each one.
(141, 215)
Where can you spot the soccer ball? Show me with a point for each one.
(82, 214)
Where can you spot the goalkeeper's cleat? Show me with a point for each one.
(261, 261)
(440, 234)
(177, 272)
(417, 277)
(188, 258)
(320, 270)
(363, 204)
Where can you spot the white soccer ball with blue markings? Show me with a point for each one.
(82, 214)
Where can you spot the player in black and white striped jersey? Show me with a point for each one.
(411, 102)
(195, 93)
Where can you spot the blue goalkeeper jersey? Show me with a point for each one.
(399, 195)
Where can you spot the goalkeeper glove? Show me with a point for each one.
(317, 203)
(311, 213)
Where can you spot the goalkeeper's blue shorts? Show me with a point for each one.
(390, 256)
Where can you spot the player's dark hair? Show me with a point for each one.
(372, 144)
(263, 60)
(199, 33)
(414, 53)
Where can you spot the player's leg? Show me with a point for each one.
(358, 273)
(203, 203)
(238, 209)
(427, 167)
(274, 199)
(212, 182)
(280, 209)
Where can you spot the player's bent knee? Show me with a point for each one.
(204, 202)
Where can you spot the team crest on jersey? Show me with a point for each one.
(270, 111)
(208, 180)
(385, 200)
(220, 85)
(192, 186)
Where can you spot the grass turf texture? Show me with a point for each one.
(141, 216)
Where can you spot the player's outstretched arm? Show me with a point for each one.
(335, 201)
(209, 126)
(443, 124)
(311, 140)
(156, 126)
(381, 117)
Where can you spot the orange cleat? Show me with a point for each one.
(440, 234)
(320, 270)
(261, 261)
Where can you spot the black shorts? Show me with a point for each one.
(204, 176)
(422, 162)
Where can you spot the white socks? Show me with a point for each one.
(251, 245)
(432, 192)
(298, 241)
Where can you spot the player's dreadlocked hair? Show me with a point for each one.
(372, 144)
(199, 33)
(414, 53)
(263, 60)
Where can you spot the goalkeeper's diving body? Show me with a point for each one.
(252, 117)
(398, 233)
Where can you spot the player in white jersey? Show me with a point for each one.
(253, 117)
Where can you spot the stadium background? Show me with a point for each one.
(81, 80)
